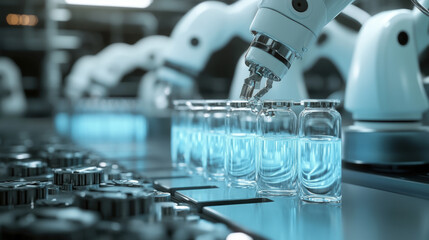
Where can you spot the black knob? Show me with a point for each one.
(78, 178)
(161, 196)
(20, 193)
(116, 202)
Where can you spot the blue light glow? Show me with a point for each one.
(112, 134)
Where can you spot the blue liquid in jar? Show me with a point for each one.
(215, 165)
(240, 160)
(178, 146)
(277, 165)
(196, 150)
(320, 169)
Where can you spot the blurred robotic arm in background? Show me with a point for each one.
(205, 29)
(12, 96)
(96, 74)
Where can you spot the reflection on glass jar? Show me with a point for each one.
(179, 131)
(240, 145)
(320, 151)
(276, 149)
(215, 129)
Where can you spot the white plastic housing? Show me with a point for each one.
(339, 43)
(385, 82)
(278, 20)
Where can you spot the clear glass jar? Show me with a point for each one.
(320, 151)
(276, 151)
(215, 129)
(195, 151)
(240, 145)
(179, 133)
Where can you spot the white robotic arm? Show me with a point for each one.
(385, 93)
(119, 59)
(336, 43)
(203, 30)
(385, 82)
(283, 31)
(96, 74)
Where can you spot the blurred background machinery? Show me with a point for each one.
(44, 38)
(113, 49)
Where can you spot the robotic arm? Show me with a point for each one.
(119, 59)
(385, 84)
(203, 30)
(96, 74)
(336, 43)
(385, 93)
(283, 31)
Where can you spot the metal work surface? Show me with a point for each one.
(374, 206)
(364, 214)
(218, 196)
(194, 182)
(416, 185)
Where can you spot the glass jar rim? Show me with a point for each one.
(320, 103)
(274, 104)
(239, 104)
(217, 102)
(179, 103)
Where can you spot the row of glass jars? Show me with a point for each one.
(262, 144)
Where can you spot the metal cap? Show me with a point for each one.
(272, 104)
(213, 105)
(19, 193)
(118, 202)
(239, 104)
(182, 211)
(161, 196)
(320, 103)
(27, 168)
(78, 177)
(196, 105)
(164, 210)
